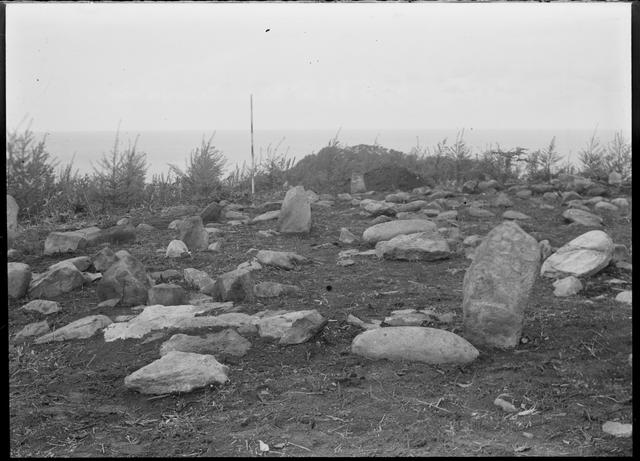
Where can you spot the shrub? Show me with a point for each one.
(501, 164)
(618, 156)
(593, 159)
(549, 157)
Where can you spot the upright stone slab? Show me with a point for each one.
(357, 183)
(12, 218)
(193, 234)
(295, 214)
(18, 279)
(497, 285)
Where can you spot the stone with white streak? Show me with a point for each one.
(582, 257)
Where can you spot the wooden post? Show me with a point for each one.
(253, 160)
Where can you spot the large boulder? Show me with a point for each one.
(64, 242)
(12, 218)
(53, 283)
(581, 257)
(295, 214)
(497, 285)
(388, 230)
(193, 233)
(126, 279)
(422, 246)
(412, 343)
(177, 372)
(18, 279)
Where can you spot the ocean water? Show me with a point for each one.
(86, 148)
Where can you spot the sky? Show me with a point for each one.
(181, 66)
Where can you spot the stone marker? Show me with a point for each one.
(582, 257)
(497, 285)
(80, 329)
(295, 214)
(193, 234)
(18, 278)
(357, 183)
(419, 344)
(177, 372)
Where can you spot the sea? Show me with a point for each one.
(162, 148)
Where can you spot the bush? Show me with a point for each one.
(30, 173)
(593, 160)
(618, 156)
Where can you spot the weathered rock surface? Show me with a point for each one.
(64, 242)
(12, 218)
(82, 263)
(346, 236)
(125, 279)
(583, 256)
(193, 234)
(497, 285)
(389, 230)
(295, 214)
(211, 212)
(116, 235)
(357, 183)
(625, 297)
(177, 372)
(423, 246)
(399, 197)
(104, 259)
(80, 329)
(419, 344)
(32, 329)
(567, 286)
(503, 200)
(267, 216)
(617, 429)
(515, 215)
(197, 279)
(376, 208)
(225, 343)
(54, 282)
(18, 278)
(166, 294)
(605, 207)
(303, 328)
(42, 306)
(235, 285)
(176, 249)
(479, 212)
(282, 259)
(415, 205)
(582, 217)
(277, 326)
(274, 290)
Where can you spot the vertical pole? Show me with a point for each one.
(253, 160)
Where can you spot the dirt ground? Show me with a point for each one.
(317, 399)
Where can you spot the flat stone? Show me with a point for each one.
(82, 263)
(177, 372)
(127, 279)
(625, 297)
(64, 242)
(423, 246)
(618, 429)
(83, 328)
(415, 205)
(582, 257)
(419, 344)
(225, 343)
(236, 285)
(274, 290)
(346, 236)
(42, 306)
(511, 214)
(55, 282)
(32, 329)
(282, 259)
(275, 326)
(567, 286)
(176, 249)
(267, 216)
(582, 217)
(389, 230)
(451, 215)
(113, 302)
(605, 207)
(479, 212)
(303, 328)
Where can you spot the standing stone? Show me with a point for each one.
(211, 213)
(357, 183)
(12, 218)
(583, 256)
(126, 279)
(295, 214)
(193, 234)
(18, 278)
(497, 285)
(177, 372)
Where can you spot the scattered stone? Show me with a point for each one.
(346, 236)
(409, 215)
(82, 263)
(55, 282)
(193, 234)
(415, 205)
(486, 186)
(104, 259)
(32, 329)
(511, 214)
(144, 227)
(252, 265)
(283, 325)
(211, 212)
(479, 212)
(225, 343)
(423, 246)
(620, 253)
(83, 328)
(621, 203)
(64, 242)
(567, 286)
(524, 194)
(618, 429)
(615, 178)
(375, 208)
(451, 215)
(236, 215)
(176, 249)
(506, 406)
(545, 249)
(166, 294)
(282, 259)
(173, 225)
(274, 290)
(605, 207)
(127, 279)
(625, 266)
(551, 196)
(582, 257)
(380, 219)
(113, 302)
(303, 328)
(570, 195)
(295, 214)
(502, 200)
(400, 197)
(197, 279)
(14, 255)
(345, 197)
(625, 297)
(420, 344)
(123, 221)
(12, 218)
(470, 187)
(268, 233)
(43, 306)
(582, 217)
(177, 372)
(116, 235)
(322, 204)
(407, 317)
(18, 278)
(311, 195)
(422, 190)
(346, 262)
(268, 216)
(497, 285)
(236, 285)
(353, 320)
(215, 246)
(357, 183)
(389, 230)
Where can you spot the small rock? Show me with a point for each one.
(423, 246)
(346, 236)
(479, 212)
(303, 328)
(55, 282)
(32, 329)
(225, 343)
(605, 207)
(193, 234)
(104, 259)
(215, 246)
(625, 297)
(582, 217)
(389, 230)
(127, 279)
(197, 279)
(42, 306)
(282, 259)
(268, 216)
(511, 214)
(18, 279)
(64, 242)
(80, 329)
(567, 286)
(346, 262)
(113, 302)
(236, 285)
(144, 227)
(166, 294)
(274, 290)
(524, 194)
(176, 249)
(618, 429)
(502, 200)
(582, 257)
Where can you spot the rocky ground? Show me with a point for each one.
(560, 391)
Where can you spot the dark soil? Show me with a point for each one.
(317, 399)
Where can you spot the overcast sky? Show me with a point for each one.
(358, 66)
